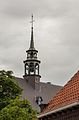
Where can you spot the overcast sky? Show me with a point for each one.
(56, 36)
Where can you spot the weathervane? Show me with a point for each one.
(32, 21)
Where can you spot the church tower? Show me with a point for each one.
(31, 64)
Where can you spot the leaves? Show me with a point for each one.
(8, 89)
(18, 110)
(11, 108)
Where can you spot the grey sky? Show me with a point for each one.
(56, 36)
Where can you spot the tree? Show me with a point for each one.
(8, 88)
(18, 110)
(11, 108)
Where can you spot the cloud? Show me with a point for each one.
(55, 34)
(42, 8)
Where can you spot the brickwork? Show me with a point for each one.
(64, 115)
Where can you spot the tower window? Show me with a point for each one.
(31, 68)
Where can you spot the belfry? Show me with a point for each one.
(31, 64)
(37, 92)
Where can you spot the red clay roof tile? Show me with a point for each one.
(67, 95)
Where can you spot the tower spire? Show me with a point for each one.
(31, 64)
(32, 39)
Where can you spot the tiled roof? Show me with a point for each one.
(67, 95)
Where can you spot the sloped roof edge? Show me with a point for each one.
(59, 109)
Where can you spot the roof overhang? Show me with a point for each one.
(58, 110)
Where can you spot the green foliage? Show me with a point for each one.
(8, 89)
(18, 110)
(11, 108)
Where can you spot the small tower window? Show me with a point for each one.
(31, 67)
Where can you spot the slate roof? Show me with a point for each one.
(68, 95)
(47, 91)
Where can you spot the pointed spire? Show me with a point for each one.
(32, 40)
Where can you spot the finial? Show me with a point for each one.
(32, 41)
(32, 20)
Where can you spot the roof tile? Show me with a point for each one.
(67, 95)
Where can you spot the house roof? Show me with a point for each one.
(30, 93)
(68, 95)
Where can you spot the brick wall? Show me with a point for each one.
(72, 114)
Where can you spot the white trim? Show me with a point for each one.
(59, 109)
